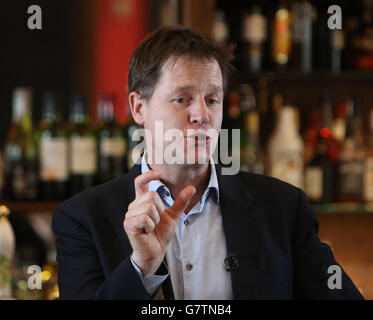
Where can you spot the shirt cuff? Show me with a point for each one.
(151, 282)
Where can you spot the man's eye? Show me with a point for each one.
(212, 101)
(180, 100)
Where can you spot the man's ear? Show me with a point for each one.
(137, 106)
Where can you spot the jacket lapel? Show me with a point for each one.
(241, 234)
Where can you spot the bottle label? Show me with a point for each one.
(288, 166)
(113, 147)
(53, 159)
(351, 178)
(254, 28)
(83, 155)
(368, 180)
(313, 183)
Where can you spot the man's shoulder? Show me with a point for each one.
(265, 188)
(114, 194)
(259, 182)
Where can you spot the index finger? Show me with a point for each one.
(141, 181)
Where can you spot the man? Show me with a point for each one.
(184, 230)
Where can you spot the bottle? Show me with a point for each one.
(351, 163)
(281, 41)
(20, 152)
(220, 28)
(301, 57)
(254, 26)
(320, 172)
(311, 134)
(285, 149)
(329, 44)
(368, 169)
(53, 151)
(233, 121)
(7, 251)
(112, 144)
(251, 153)
(82, 148)
(362, 39)
(339, 123)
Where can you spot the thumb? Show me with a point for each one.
(181, 202)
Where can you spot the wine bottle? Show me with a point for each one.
(251, 153)
(53, 151)
(20, 152)
(112, 144)
(351, 164)
(301, 57)
(82, 148)
(254, 26)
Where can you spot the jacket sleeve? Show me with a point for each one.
(314, 279)
(80, 275)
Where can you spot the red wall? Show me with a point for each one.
(120, 25)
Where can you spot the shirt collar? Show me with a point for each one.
(212, 187)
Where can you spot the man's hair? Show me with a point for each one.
(173, 42)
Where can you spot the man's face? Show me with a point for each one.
(188, 95)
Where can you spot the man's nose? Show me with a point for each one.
(199, 112)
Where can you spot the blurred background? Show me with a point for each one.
(301, 96)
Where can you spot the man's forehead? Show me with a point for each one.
(177, 67)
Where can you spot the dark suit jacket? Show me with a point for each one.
(268, 224)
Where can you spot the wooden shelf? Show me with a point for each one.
(348, 207)
(30, 206)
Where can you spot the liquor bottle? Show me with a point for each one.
(320, 172)
(53, 151)
(311, 134)
(351, 163)
(7, 251)
(254, 26)
(329, 44)
(362, 38)
(339, 123)
(233, 121)
(112, 144)
(251, 153)
(281, 38)
(20, 152)
(318, 181)
(301, 56)
(368, 170)
(82, 148)
(285, 149)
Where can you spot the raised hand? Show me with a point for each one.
(149, 226)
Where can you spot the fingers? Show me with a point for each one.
(139, 225)
(148, 197)
(181, 202)
(141, 181)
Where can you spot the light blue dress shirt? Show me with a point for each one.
(195, 255)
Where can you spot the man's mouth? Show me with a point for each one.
(198, 139)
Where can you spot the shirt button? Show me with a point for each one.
(189, 267)
(186, 222)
